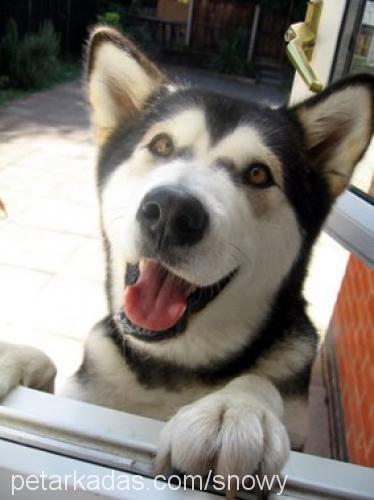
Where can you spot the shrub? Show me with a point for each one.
(231, 55)
(111, 19)
(30, 62)
(9, 53)
(132, 28)
(141, 36)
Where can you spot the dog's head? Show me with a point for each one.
(209, 203)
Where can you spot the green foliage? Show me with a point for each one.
(7, 95)
(30, 62)
(111, 19)
(67, 72)
(140, 35)
(9, 53)
(231, 55)
(130, 27)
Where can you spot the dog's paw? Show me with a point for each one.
(25, 365)
(229, 436)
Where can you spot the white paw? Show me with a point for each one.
(25, 365)
(227, 435)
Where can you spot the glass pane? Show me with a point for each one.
(363, 62)
(363, 178)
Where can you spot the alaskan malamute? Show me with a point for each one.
(209, 208)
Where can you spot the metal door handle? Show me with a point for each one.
(301, 38)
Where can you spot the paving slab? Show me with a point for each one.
(47, 161)
(240, 88)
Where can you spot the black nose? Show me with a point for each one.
(170, 216)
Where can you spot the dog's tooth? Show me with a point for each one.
(132, 274)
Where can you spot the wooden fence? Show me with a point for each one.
(215, 20)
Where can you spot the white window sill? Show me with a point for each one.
(351, 223)
(42, 432)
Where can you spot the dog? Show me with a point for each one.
(209, 208)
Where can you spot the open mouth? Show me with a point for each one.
(158, 303)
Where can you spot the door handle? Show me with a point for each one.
(301, 38)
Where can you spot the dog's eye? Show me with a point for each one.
(258, 175)
(161, 145)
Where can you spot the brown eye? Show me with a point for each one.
(161, 145)
(258, 175)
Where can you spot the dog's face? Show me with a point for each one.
(208, 202)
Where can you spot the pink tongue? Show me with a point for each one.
(157, 300)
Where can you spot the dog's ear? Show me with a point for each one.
(338, 126)
(120, 78)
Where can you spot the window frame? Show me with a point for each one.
(38, 432)
(351, 221)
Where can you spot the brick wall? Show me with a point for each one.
(352, 330)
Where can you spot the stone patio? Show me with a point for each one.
(51, 268)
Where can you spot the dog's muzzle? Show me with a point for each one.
(170, 217)
(158, 301)
(158, 304)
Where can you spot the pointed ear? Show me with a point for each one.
(338, 127)
(120, 78)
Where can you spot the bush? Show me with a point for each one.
(30, 62)
(111, 19)
(136, 31)
(141, 36)
(231, 55)
(9, 53)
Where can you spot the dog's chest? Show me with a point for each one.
(109, 381)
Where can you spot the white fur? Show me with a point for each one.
(285, 359)
(233, 431)
(116, 72)
(350, 108)
(234, 428)
(242, 421)
(264, 248)
(114, 385)
(245, 145)
(25, 365)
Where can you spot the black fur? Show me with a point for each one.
(280, 130)
(287, 320)
(307, 191)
